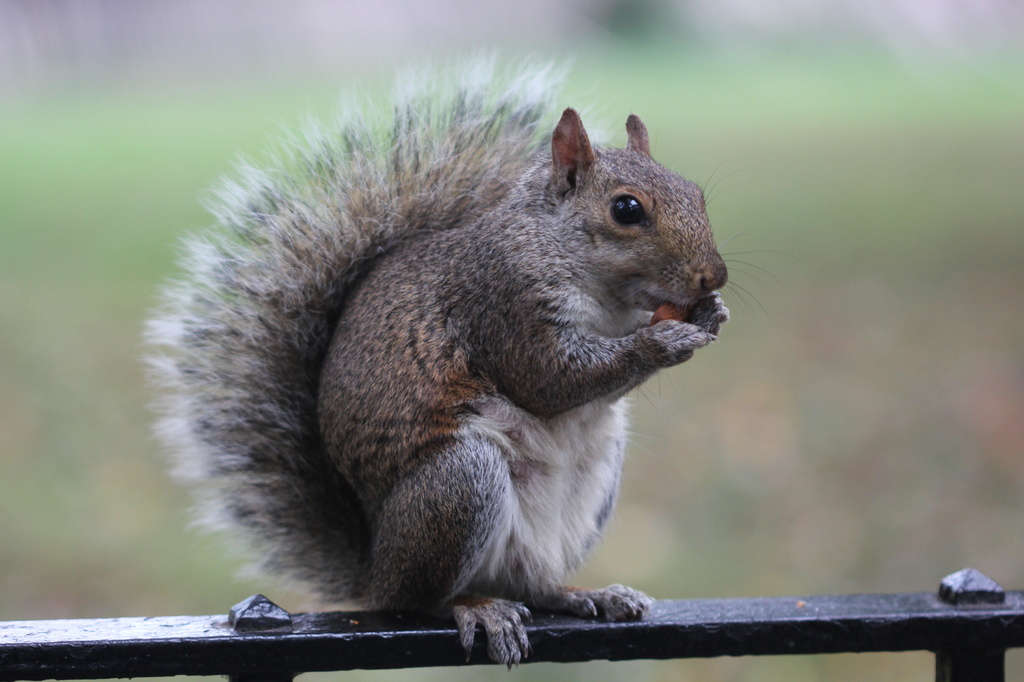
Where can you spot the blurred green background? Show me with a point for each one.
(858, 428)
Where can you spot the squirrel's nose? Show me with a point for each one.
(711, 279)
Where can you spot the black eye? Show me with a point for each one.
(628, 210)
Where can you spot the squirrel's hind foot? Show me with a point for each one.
(502, 621)
(615, 602)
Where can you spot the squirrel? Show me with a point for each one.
(399, 367)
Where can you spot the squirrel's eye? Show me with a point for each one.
(628, 210)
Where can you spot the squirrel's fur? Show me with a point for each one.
(398, 367)
(259, 301)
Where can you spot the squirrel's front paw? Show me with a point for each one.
(710, 313)
(615, 602)
(502, 621)
(671, 342)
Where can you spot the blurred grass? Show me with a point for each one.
(858, 427)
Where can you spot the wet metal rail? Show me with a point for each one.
(969, 624)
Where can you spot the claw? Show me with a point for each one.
(615, 602)
(465, 621)
(502, 621)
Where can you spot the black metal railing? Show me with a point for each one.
(969, 624)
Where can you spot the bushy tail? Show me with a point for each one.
(243, 333)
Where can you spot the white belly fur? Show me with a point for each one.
(562, 481)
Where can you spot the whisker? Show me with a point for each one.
(747, 253)
(628, 291)
(729, 239)
(746, 292)
(754, 277)
(737, 295)
(706, 187)
(711, 194)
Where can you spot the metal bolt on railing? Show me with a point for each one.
(973, 589)
(257, 615)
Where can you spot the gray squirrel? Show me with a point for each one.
(398, 369)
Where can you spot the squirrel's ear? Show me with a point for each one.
(571, 153)
(637, 133)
